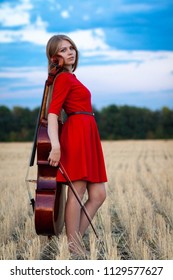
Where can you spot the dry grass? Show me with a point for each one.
(135, 222)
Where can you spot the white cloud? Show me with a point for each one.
(120, 56)
(152, 74)
(29, 82)
(34, 33)
(149, 79)
(87, 40)
(17, 15)
(65, 14)
(149, 83)
(30, 74)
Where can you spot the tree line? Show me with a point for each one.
(114, 123)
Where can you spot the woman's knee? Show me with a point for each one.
(97, 193)
(102, 194)
(79, 187)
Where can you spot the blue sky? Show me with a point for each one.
(125, 46)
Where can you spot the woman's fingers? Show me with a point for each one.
(53, 163)
(54, 157)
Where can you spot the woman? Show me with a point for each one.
(79, 148)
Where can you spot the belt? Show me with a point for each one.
(82, 113)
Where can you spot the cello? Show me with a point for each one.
(49, 203)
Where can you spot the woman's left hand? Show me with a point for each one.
(54, 156)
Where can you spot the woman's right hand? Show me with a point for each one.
(54, 156)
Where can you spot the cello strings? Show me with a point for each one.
(27, 181)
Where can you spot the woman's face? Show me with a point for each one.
(68, 52)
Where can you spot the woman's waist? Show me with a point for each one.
(80, 113)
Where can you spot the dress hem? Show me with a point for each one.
(82, 179)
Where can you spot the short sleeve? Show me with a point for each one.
(61, 89)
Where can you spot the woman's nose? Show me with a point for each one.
(70, 50)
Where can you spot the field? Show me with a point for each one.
(135, 222)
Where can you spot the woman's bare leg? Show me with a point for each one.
(73, 215)
(96, 196)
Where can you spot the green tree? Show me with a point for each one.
(114, 123)
(167, 122)
(5, 123)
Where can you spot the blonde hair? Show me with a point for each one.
(52, 48)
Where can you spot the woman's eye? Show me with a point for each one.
(65, 49)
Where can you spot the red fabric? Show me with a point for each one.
(81, 151)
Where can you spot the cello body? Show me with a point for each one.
(49, 203)
(50, 195)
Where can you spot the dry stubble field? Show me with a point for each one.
(135, 222)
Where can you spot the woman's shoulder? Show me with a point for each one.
(65, 75)
(64, 78)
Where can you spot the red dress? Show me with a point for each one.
(81, 151)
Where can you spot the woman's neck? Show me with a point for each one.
(69, 69)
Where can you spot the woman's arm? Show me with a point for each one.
(55, 152)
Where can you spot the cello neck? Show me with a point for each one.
(58, 63)
(44, 102)
(40, 117)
